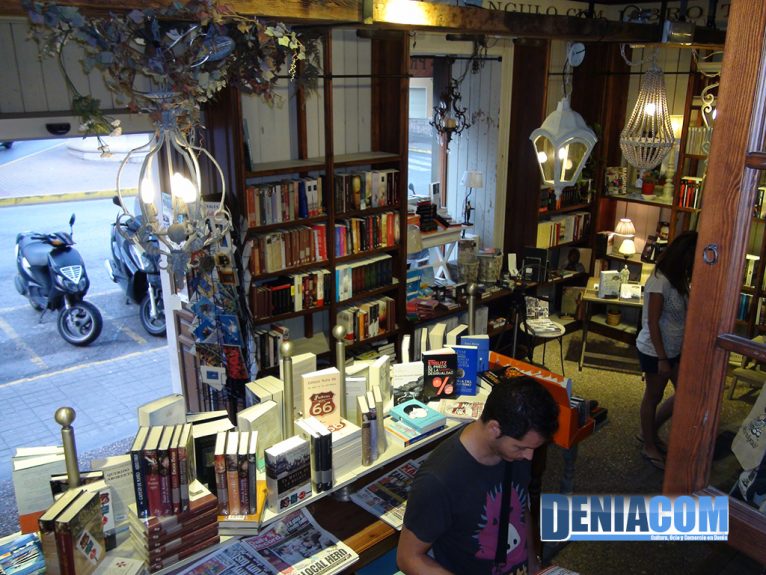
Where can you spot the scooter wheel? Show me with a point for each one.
(153, 325)
(80, 324)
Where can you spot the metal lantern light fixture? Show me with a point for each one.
(648, 136)
(179, 223)
(564, 141)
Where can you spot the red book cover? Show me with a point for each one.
(155, 538)
(165, 471)
(175, 470)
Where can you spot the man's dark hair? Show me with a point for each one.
(521, 404)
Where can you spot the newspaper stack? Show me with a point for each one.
(386, 497)
(295, 545)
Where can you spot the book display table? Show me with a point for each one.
(589, 299)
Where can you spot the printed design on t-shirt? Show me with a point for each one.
(517, 533)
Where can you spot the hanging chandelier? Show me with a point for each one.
(449, 117)
(175, 223)
(648, 136)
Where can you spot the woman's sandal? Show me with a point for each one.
(660, 445)
(657, 462)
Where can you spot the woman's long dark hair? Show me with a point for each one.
(677, 261)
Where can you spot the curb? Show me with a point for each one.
(65, 197)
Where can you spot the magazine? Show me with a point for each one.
(295, 545)
(386, 497)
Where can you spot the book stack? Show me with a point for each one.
(346, 449)
(363, 275)
(367, 189)
(427, 212)
(690, 192)
(288, 294)
(71, 533)
(320, 442)
(286, 201)
(93, 481)
(358, 235)
(267, 344)
(281, 249)
(162, 541)
(412, 421)
(32, 469)
(368, 319)
(265, 420)
(22, 555)
(162, 461)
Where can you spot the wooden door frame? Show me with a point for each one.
(724, 226)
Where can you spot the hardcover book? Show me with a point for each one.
(288, 473)
(418, 416)
(80, 535)
(481, 342)
(264, 419)
(439, 370)
(321, 395)
(467, 369)
(464, 410)
(47, 526)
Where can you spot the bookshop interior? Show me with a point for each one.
(371, 210)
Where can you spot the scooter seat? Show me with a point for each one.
(35, 251)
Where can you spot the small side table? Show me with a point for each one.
(546, 329)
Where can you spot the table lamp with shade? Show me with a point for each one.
(472, 180)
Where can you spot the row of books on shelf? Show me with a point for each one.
(690, 192)
(743, 308)
(267, 342)
(562, 229)
(162, 459)
(366, 189)
(446, 332)
(295, 292)
(285, 248)
(368, 319)
(285, 201)
(760, 312)
(355, 235)
(363, 275)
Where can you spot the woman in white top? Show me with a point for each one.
(666, 296)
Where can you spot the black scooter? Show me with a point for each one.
(137, 272)
(51, 275)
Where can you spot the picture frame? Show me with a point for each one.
(647, 254)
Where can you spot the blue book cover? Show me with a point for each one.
(482, 342)
(467, 369)
(418, 415)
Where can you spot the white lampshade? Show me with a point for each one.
(628, 247)
(473, 179)
(562, 146)
(625, 228)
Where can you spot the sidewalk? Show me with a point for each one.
(103, 426)
(56, 174)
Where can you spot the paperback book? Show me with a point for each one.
(467, 369)
(464, 410)
(288, 473)
(439, 373)
(418, 416)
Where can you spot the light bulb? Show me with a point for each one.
(183, 188)
(542, 157)
(650, 109)
(567, 165)
(715, 112)
(563, 152)
(147, 191)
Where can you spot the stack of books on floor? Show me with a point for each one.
(163, 541)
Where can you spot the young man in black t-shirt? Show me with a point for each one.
(454, 510)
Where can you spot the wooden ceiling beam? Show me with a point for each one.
(411, 14)
(404, 14)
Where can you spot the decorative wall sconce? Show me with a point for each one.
(648, 136)
(449, 118)
(564, 141)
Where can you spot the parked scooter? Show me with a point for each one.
(138, 273)
(51, 274)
